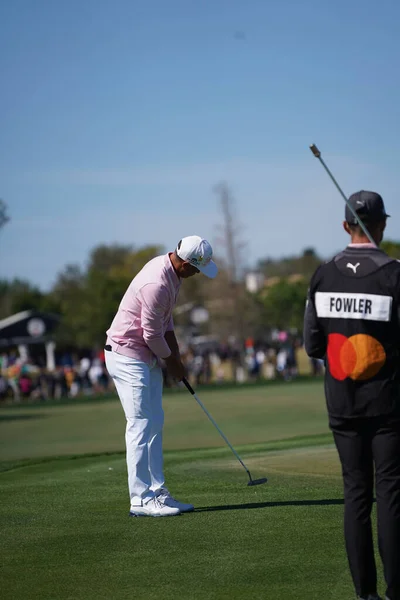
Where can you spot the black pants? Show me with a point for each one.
(367, 446)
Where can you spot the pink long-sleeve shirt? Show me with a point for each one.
(145, 312)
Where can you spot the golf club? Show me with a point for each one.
(199, 402)
(317, 154)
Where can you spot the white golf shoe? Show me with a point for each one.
(166, 499)
(153, 508)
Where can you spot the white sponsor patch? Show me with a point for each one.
(339, 305)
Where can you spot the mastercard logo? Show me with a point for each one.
(359, 357)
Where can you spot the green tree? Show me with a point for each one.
(305, 264)
(283, 304)
(107, 281)
(391, 248)
(89, 299)
(105, 258)
(4, 218)
(69, 294)
(19, 295)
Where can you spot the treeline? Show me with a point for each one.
(87, 299)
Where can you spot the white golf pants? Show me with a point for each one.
(139, 388)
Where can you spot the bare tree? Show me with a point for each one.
(4, 218)
(233, 292)
(230, 232)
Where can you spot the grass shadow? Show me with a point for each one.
(5, 418)
(323, 502)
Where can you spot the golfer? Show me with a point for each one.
(352, 320)
(141, 334)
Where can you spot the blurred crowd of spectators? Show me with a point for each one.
(255, 361)
(27, 380)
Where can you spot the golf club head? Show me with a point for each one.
(258, 481)
(315, 150)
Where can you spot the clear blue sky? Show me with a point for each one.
(118, 117)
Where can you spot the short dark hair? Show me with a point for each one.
(370, 226)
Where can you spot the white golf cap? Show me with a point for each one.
(198, 252)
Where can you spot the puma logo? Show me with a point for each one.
(360, 202)
(353, 267)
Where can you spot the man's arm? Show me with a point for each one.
(172, 342)
(154, 306)
(175, 358)
(314, 335)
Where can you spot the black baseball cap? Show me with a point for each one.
(369, 207)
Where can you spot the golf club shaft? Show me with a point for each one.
(317, 154)
(199, 402)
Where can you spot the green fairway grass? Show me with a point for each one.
(247, 415)
(66, 534)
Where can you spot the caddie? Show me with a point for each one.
(352, 321)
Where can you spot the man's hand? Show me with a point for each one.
(175, 367)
